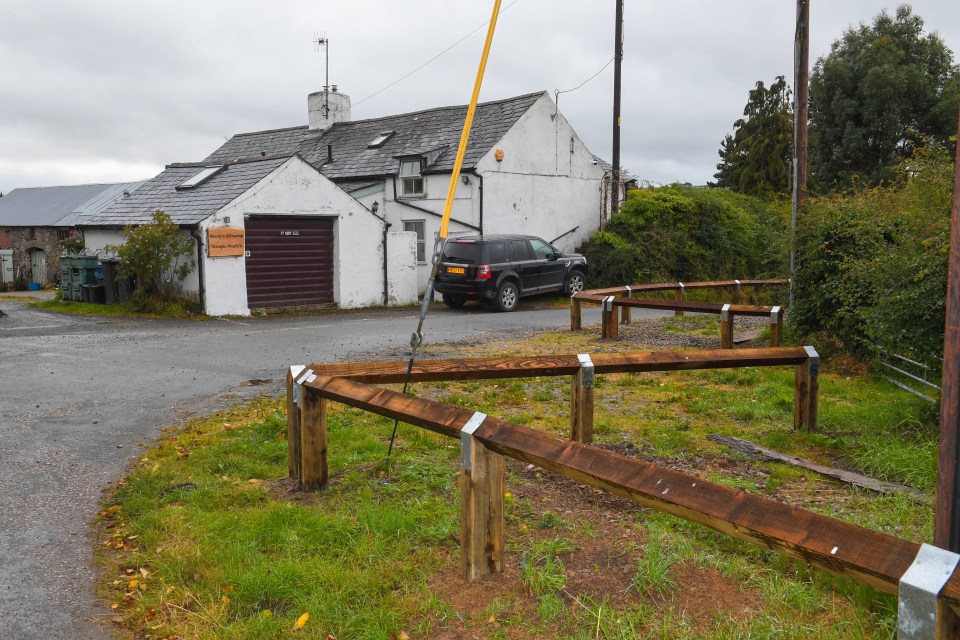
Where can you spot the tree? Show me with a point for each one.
(883, 90)
(157, 254)
(756, 159)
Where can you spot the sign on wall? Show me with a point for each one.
(224, 241)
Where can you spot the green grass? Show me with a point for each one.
(227, 552)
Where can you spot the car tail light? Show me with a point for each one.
(483, 272)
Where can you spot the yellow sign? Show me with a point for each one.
(224, 241)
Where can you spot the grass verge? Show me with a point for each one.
(206, 538)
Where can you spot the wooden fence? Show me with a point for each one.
(882, 561)
(623, 297)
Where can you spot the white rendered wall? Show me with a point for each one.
(99, 238)
(547, 182)
(296, 189)
(401, 268)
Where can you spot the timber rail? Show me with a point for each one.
(877, 559)
(623, 297)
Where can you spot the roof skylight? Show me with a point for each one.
(382, 137)
(199, 178)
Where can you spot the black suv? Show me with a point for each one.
(503, 268)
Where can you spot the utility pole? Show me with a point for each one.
(801, 81)
(946, 525)
(617, 64)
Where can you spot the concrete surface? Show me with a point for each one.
(79, 395)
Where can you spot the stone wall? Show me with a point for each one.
(26, 240)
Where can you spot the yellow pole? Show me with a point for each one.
(468, 123)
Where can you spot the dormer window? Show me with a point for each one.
(199, 178)
(382, 137)
(411, 182)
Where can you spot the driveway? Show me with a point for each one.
(80, 395)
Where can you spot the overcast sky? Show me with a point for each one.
(103, 90)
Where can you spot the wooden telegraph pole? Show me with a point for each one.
(801, 81)
(617, 63)
(946, 528)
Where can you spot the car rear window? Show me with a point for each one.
(498, 252)
(460, 252)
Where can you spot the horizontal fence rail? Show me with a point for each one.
(871, 557)
(805, 360)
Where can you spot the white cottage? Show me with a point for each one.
(270, 232)
(525, 170)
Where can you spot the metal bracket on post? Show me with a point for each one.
(305, 376)
(725, 313)
(774, 315)
(586, 369)
(629, 291)
(466, 438)
(736, 292)
(814, 361)
(608, 303)
(919, 588)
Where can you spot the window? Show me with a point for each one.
(410, 179)
(199, 178)
(520, 251)
(417, 226)
(382, 137)
(542, 250)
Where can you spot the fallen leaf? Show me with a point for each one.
(302, 620)
(404, 636)
(228, 588)
(132, 585)
(144, 573)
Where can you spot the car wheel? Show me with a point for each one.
(454, 302)
(574, 283)
(507, 296)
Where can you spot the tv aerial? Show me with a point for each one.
(320, 39)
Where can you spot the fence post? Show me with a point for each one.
(679, 298)
(726, 327)
(293, 421)
(608, 319)
(806, 392)
(625, 311)
(736, 292)
(581, 401)
(776, 326)
(481, 505)
(575, 318)
(921, 613)
(313, 439)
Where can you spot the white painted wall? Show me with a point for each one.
(297, 189)
(401, 268)
(99, 238)
(547, 182)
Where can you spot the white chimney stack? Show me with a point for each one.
(327, 107)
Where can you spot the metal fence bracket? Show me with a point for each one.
(586, 369)
(466, 438)
(305, 376)
(919, 587)
(814, 360)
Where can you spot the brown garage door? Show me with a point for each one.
(290, 262)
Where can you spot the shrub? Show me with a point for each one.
(683, 233)
(872, 265)
(157, 255)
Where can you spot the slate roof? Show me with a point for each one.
(45, 206)
(416, 133)
(98, 203)
(186, 206)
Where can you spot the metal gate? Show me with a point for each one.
(289, 262)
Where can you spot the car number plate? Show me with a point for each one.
(456, 270)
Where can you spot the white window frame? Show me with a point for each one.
(410, 175)
(420, 228)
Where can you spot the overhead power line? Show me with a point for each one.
(404, 77)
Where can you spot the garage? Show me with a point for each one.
(290, 261)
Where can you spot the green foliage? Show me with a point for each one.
(872, 265)
(756, 158)
(74, 243)
(683, 233)
(157, 255)
(880, 91)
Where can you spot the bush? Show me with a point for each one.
(157, 255)
(689, 234)
(872, 265)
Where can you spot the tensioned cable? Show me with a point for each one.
(401, 79)
(416, 339)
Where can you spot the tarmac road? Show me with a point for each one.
(79, 395)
